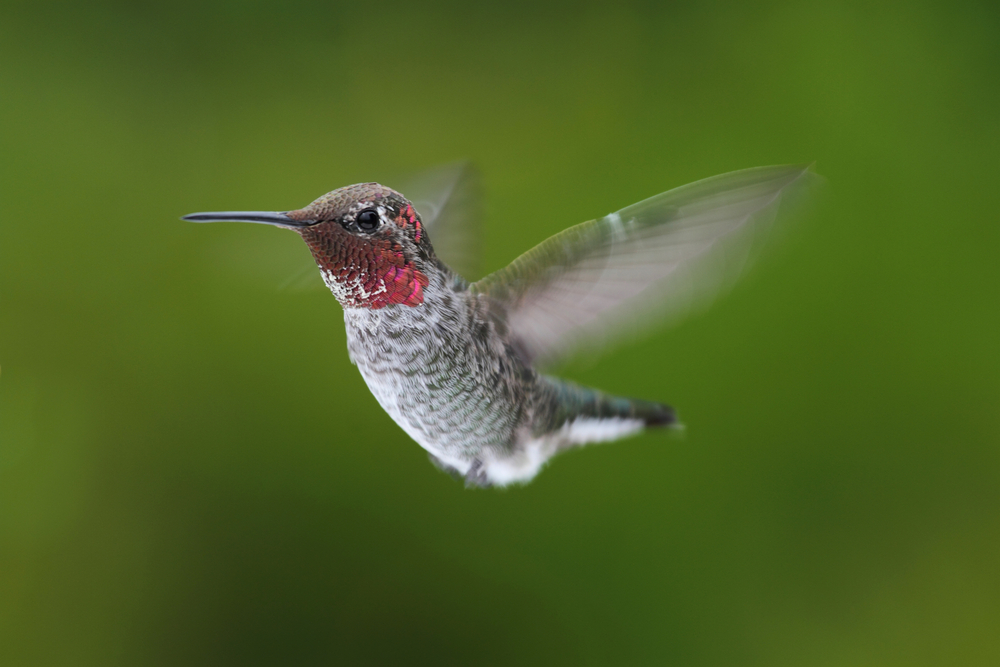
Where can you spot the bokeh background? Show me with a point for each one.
(192, 473)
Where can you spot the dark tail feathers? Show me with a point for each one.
(573, 400)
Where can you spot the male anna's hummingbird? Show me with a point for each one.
(454, 363)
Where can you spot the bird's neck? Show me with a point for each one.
(441, 296)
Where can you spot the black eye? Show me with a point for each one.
(368, 220)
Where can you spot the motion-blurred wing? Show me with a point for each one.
(653, 258)
(448, 200)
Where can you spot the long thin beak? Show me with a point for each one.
(264, 217)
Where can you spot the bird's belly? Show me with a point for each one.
(438, 393)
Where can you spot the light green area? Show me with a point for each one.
(192, 473)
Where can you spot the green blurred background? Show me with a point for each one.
(191, 471)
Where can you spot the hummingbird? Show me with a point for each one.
(458, 364)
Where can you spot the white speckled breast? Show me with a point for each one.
(442, 373)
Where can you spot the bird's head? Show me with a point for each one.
(368, 241)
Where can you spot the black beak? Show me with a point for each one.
(264, 217)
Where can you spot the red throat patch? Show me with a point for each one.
(364, 272)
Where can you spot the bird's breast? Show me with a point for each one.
(441, 372)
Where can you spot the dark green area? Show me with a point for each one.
(192, 473)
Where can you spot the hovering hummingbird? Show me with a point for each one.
(455, 363)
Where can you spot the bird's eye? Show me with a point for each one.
(368, 220)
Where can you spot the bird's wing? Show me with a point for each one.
(656, 257)
(448, 199)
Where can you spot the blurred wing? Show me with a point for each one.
(652, 258)
(448, 200)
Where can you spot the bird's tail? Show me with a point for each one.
(586, 415)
